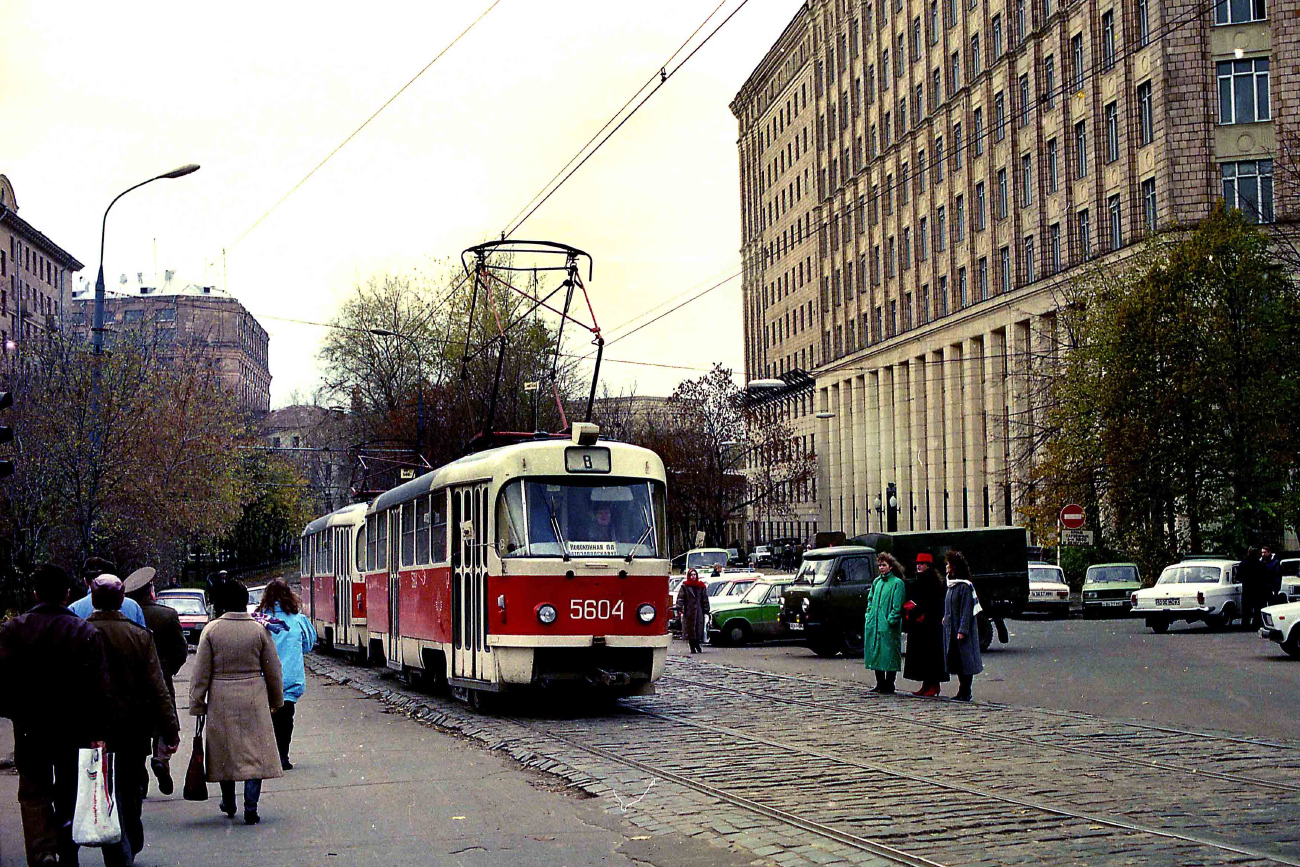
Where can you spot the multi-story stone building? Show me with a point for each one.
(33, 274)
(968, 158)
(776, 111)
(190, 318)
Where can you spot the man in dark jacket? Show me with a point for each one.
(144, 709)
(54, 686)
(1271, 571)
(173, 650)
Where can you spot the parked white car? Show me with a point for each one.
(1279, 626)
(1048, 592)
(1205, 590)
(1291, 578)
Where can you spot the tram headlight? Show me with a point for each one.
(546, 613)
(646, 613)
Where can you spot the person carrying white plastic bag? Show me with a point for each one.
(95, 820)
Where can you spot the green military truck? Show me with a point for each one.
(827, 600)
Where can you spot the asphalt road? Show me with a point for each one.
(1191, 677)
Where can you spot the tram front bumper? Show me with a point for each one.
(614, 661)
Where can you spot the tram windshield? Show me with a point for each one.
(605, 518)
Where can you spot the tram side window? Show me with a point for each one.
(408, 534)
(381, 541)
(422, 531)
(361, 547)
(439, 521)
(302, 556)
(370, 542)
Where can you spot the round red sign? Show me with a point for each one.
(1072, 517)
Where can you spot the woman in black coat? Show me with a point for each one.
(925, 660)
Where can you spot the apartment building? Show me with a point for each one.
(188, 317)
(33, 274)
(780, 207)
(970, 156)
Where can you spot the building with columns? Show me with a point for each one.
(965, 160)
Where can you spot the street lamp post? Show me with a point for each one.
(97, 334)
(419, 375)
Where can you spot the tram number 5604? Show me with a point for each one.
(595, 609)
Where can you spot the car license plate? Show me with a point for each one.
(1112, 604)
(797, 627)
(1170, 602)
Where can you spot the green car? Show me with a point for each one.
(752, 617)
(1108, 588)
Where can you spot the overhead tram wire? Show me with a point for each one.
(364, 124)
(664, 76)
(616, 114)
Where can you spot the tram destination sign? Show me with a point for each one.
(586, 460)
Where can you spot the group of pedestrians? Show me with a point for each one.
(1260, 574)
(940, 621)
(98, 673)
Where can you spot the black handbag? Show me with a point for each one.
(196, 775)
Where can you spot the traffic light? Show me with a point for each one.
(6, 434)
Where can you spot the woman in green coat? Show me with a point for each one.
(882, 633)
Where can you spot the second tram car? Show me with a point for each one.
(333, 583)
(538, 563)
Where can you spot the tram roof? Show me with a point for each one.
(480, 465)
(333, 519)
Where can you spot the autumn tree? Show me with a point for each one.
(1171, 413)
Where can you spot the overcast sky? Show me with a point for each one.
(98, 96)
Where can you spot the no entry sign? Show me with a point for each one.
(1072, 517)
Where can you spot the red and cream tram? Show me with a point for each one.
(538, 563)
(333, 583)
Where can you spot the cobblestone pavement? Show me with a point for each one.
(801, 771)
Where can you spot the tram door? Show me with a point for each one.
(394, 588)
(470, 516)
(343, 587)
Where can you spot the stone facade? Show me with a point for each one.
(189, 317)
(34, 275)
(971, 158)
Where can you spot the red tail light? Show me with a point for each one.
(1200, 598)
(1133, 599)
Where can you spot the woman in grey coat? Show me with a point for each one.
(961, 642)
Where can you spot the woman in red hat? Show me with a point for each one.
(924, 625)
(693, 600)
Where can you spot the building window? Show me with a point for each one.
(1004, 265)
(1049, 81)
(893, 317)
(958, 145)
(1116, 222)
(1026, 181)
(959, 222)
(923, 240)
(1029, 259)
(938, 160)
(962, 290)
(905, 248)
(940, 230)
(979, 206)
(889, 259)
(1144, 22)
(1149, 203)
(1146, 115)
(1002, 194)
(999, 116)
(1085, 235)
(1112, 132)
(1107, 40)
(1239, 11)
(1243, 91)
(1053, 175)
(982, 289)
(903, 178)
(132, 315)
(1076, 62)
(977, 132)
(997, 38)
(941, 298)
(974, 55)
(1081, 149)
(1024, 99)
(1054, 247)
(1248, 185)
(954, 75)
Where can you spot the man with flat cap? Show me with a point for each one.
(84, 607)
(54, 686)
(173, 650)
(144, 708)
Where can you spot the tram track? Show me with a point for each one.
(1125, 760)
(811, 770)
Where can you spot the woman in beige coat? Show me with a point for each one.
(236, 684)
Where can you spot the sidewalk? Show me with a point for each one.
(372, 787)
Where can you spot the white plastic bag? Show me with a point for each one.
(95, 821)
